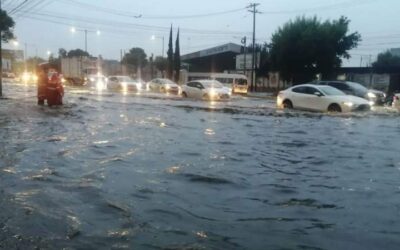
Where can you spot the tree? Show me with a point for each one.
(6, 34)
(77, 52)
(386, 59)
(161, 64)
(62, 53)
(6, 26)
(305, 47)
(136, 57)
(264, 61)
(170, 54)
(177, 58)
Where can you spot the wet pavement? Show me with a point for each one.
(149, 171)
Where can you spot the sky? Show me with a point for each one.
(45, 25)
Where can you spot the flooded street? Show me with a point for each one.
(114, 171)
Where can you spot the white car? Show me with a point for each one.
(205, 89)
(163, 85)
(97, 82)
(124, 83)
(320, 98)
(396, 101)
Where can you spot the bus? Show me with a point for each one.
(237, 82)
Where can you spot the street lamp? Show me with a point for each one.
(153, 37)
(74, 30)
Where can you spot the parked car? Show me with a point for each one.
(206, 89)
(320, 98)
(163, 85)
(396, 101)
(124, 83)
(375, 97)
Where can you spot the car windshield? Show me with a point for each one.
(167, 81)
(358, 87)
(331, 91)
(124, 79)
(212, 84)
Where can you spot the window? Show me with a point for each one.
(339, 85)
(199, 86)
(312, 91)
(301, 90)
(191, 84)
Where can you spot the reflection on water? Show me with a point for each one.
(156, 173)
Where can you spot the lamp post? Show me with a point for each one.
(85, 31)
(153, 37)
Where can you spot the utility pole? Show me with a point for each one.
(253, 9)
(244, 42)
(1, 60)
(25, 55)
(85, 40)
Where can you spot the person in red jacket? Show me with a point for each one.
(55, 89)
(41, 72)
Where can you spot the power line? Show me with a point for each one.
(143, 16)
(121, 25)
(345, 4)
(14, 10)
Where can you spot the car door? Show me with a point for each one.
(190, 89)
(315, 99)
(298, 97)
(199, 90)
(112, 82)
(157, 85)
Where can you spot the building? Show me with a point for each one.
(384, 79)
(9, 57)
(217, 59)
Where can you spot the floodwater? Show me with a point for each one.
(114, 171)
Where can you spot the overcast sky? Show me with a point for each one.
(45, 24)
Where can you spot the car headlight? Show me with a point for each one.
(99, 85)
(371, 95)
(138, 85)
(348, 104)
(92, 79)
(212, 92)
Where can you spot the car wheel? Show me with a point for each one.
(184, 94)
(287, 104)
(334, 108)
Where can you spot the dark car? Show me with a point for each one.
(356, 89)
